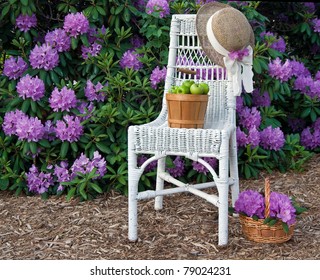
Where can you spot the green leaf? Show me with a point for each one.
(44, 143)
(285, 227)
(25, 105)
(71, 193)
(64, 149)
(256, 66)
(103, 148)
(82, 190)
(74, 146)
(272, 222)
(74, 43)
(24, 2)
(96, 188)
(5, 10)
(4, 183)
(33, 147)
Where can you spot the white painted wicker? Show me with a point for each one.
(216, 139)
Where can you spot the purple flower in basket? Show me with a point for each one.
(281, 208)
(250, 203)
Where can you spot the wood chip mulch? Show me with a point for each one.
(32, 228)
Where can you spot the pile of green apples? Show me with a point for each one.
(190, 87)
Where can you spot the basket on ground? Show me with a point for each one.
(258, 231)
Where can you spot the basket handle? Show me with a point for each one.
(267, 197)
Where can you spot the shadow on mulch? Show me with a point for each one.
(32, 228)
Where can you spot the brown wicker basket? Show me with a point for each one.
(258, 231)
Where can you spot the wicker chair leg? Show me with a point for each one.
(158, 203)
(234, 169)
(223, 214)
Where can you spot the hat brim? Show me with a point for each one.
(203, 15)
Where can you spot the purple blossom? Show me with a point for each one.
(62, 172)
(69, 129)
(316, 25)
(239, 104)
(14, 67)
(250, 203)
(299, 69)
(10, 121)
(62, 100)
(282, 72)
(272, 138)
(317, 76)
(178, 169)
(49, 131)
(29, 87)
(139, 4)
(26, 22)
(277, 44)
(310, 7)
(85, 109)
(241, 138)
(259, 100)
(282, 208)
(151, 166)
(136, 41)
(38, 182)
(310, 137)
(93, 50)
(296, 124)
(161, 6)
(201, 168)
(157, 76)
(44, 57)
(253, 138)
(307, 86)
(76, 24)
(130, 59)
(30, 129)
(249, 117)
(84, 165)
(58, 39)
(93, 92)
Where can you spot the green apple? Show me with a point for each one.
(183, 90)
(173, 89)
(196, 89)
(188, 83)
(205, 88)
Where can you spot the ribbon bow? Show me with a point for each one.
(239, 64)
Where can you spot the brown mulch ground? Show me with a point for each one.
(32, 228)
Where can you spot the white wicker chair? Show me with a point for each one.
(216, 139)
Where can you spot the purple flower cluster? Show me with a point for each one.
(93, 50)
(252, 139)
(272, 138)
(273, 42)
(84, 165)
(44, 57)
(282, 72)
(26, 22)
(38, 182)
(130, 59)
(259, 100)
(85, 109)
(136, 41)
(69, 129)
(310, 6)
(58, 39)
(76, 24)
(238, 55)
(310, 136)
(161, 6)
(26, 128)
(178, 169)
(249, 117)
(201, 168)
(62, 173)
(250, 203)
(93, 92)
(63, 100)
(14, 67)
(316, 25)
(157, 76)
(29, 87)
(282, 208)
(308, 86)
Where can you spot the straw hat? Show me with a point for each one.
(224, 33)
(230, 27)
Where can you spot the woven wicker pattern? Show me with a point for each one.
(258, 231)
(216, 139)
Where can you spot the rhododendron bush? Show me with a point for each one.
(75, 74)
